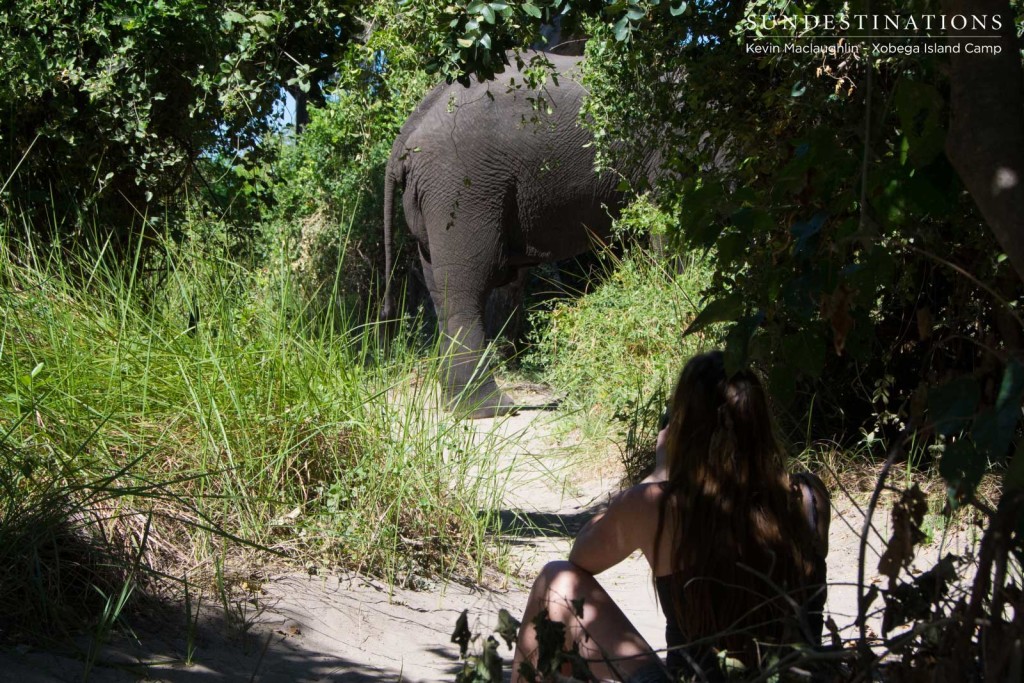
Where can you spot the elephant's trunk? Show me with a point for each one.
(388, 309)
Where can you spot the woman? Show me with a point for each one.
(737, 547)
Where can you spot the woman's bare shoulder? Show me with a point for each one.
(640, 502)
(646, 493)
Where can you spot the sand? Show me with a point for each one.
(345, 627)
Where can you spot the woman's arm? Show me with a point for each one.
(626, 525)
(660, 472)
(817, 507)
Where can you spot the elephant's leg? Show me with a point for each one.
(459, 295)
(504, 314)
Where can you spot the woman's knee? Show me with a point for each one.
(560, 578)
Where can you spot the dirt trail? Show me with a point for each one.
(348, 628)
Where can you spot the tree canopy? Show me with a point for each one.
(105, 108)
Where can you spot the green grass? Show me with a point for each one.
(151, 417)
(616, 352)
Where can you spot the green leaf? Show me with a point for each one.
(676, 11)
(962, 466)
(994, 428)
(993, 431)
(233, 17)
(922, 118)
(485, 41)
(737, 342)
(487, 13)
(622, 29)
(532, 10)
(466, 42)
(952, 405)
(461, 635)
(636, 13)
(799, 88)
(805, 231)
(722, 309)
(928, 197)
(1011, 389)
(751, 221)
(475, 7)
(508, 627)
(805, 350)
(782, 382)
(701, 216)
(731, 247)
(489, 665)
(263, 19)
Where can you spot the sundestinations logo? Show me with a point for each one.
(875, 34)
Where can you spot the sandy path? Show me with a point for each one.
(348, 628)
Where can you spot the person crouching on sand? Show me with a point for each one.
(736, 545)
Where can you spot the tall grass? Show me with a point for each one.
(623, 342)
(616, 352)
(149, 413)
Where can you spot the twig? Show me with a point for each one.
(952, 266)
(20, 162)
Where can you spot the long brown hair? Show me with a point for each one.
(739, 534)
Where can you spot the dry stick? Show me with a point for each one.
(606, 656)
(894, 452)
(862, 552)
(610, 660)
(898, 642)
(1007, 517)
(20, 162)
(798, 610)
(786, 664)
(996, 609)
(974, 280)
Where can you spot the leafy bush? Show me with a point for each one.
(107, 107)
(329, 189)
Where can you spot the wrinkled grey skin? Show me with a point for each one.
(492, 186)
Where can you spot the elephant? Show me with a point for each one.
(496, 177)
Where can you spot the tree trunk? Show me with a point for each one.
(301, 107)
(985, 143)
